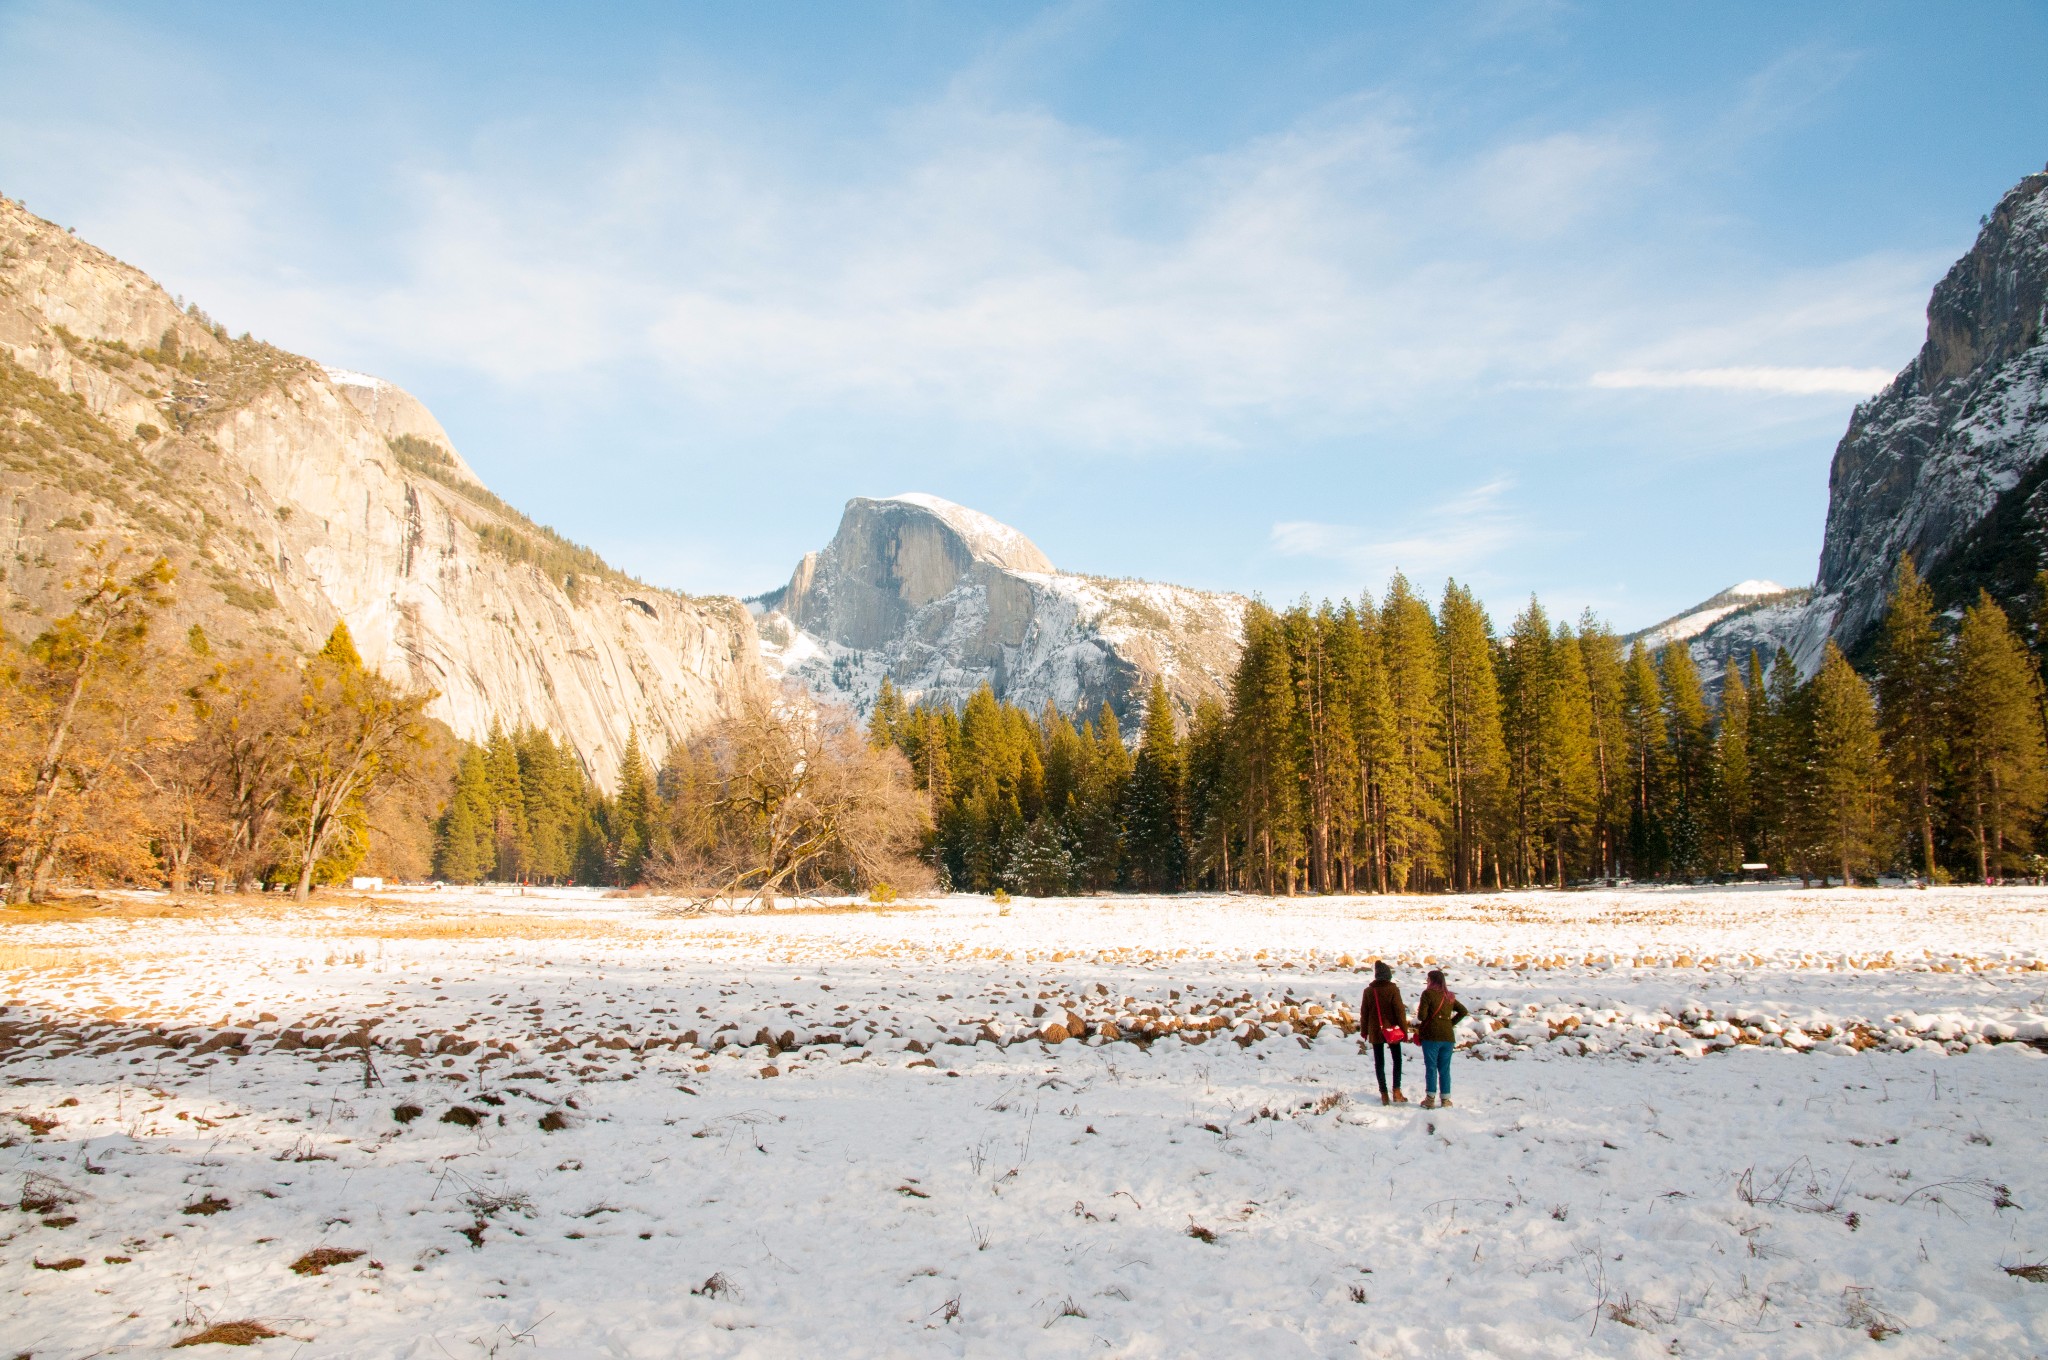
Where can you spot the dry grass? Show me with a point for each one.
(246, 1332)
(484, 928)
(316, 1261)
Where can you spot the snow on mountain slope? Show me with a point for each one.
(941, 599)
(1692, 622)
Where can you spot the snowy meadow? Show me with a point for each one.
(469, 1123)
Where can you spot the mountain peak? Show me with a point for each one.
(986, 538)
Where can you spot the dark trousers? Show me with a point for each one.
(1379, 1064)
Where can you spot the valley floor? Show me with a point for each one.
(1694, 1122)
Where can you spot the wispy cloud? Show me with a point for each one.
(980, 262)
(1859, 382)
(1458, 535)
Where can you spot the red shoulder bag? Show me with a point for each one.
(1392, 1034)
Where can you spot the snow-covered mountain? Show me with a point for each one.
(1948, 463)
(1690, 623)
(942, 599)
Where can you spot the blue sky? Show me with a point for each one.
(1572, 299)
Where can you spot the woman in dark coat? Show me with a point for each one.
(1436, 1027)
(1382, 1010)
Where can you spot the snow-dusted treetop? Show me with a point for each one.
(987, 538)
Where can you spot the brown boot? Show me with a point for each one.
(1429, 1102)
(1399, 1097)
(1444, 1104)
(1385, 1099)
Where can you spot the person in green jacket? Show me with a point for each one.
(1437, 1014)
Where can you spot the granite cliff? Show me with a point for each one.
(1947, 463)
(941, 599)
(291, 496)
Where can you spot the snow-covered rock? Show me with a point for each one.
(941, 599)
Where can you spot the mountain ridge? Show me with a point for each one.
(291, 497)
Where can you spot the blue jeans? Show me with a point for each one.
(1436, 1066)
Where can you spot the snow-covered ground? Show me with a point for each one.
(1692, 1122)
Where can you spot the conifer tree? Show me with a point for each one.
(1208, 795)
(1600, 653)
(1264, 761)
(1689, 731)
(632, 820)
(1413, 781)
(1910, 682)
(885, 724)
(463, 843)
(1322, 736)
(1996, 738)
(508, 807)
(1845, 771)
(1475, 755)
(1373, 726)
(1642, 714)
(1733, 839)
(1155, 836)
(1103, 787)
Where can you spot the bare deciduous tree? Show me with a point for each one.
(784, 797)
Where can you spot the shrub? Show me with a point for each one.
(1000, 897)
(881, 894)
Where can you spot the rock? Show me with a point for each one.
(1947, 463)
(1108, 1030)
(1053, 1032)
(274, 486)
(942, 599)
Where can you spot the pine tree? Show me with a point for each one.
(632, 820)
(1475, 754)
(1209, 818)
(508, 807)
(1995, 737)
(1846, 770)
(1910, 680)
(1264, 761)
(1733, 838)
(1155, 836)
(1778, 765)
(1102, 802)
(1689, 731)
(1373, 726)
(1642, 714)
(1414, 780)
(1600, 653)
(463, 841)
(886, 723)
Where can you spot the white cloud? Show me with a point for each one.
(1859, 382)
(975, 261)
(1456, 535)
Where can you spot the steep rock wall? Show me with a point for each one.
(273, 485)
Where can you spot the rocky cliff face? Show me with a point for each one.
(941, 599)
(1947, 451)
(291, 496)
(1947, 463)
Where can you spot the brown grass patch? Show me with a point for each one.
(483, 928)
(247, 1332)
(207, 1206)
(316, 1261)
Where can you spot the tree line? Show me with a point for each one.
(1385, 746)
(1364, 746)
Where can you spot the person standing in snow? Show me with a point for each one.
(1383, 1019)
(1436, 1027)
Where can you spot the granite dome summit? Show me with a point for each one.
(940, 599)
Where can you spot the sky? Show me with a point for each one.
(1572, 300)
